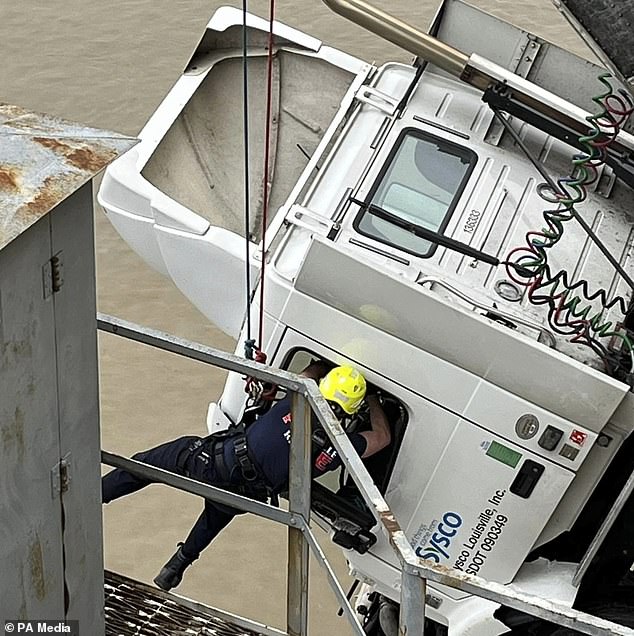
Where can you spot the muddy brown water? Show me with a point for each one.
(108, 64)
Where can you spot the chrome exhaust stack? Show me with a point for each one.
(532, 103)
(402, 34)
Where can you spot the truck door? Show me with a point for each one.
(466, 494)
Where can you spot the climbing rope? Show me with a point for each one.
(249, 343)
(252, 348)
(265, 180)
(259, 392)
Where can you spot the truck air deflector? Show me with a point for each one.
(212, 276)
(178, 199)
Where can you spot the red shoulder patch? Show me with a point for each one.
(322, 461)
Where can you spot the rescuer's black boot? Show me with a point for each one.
(171, 573)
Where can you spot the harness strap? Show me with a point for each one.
(254, 485)
(247, 468)
(220, 466)
(212, 448)
(184, 456)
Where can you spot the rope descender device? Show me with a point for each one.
(259, 392)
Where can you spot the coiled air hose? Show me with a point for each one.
(571, 305)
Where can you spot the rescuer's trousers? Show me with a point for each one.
(172, 456)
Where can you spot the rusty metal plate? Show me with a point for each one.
(44, 159)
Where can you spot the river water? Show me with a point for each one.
(108, 64)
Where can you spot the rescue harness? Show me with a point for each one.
(252, 483)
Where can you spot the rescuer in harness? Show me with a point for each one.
(253, 462)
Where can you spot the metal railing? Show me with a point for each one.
(414, 571)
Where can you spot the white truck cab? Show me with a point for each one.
(400, 204)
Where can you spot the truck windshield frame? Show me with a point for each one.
(421, 183)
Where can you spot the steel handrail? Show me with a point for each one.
(414, 571)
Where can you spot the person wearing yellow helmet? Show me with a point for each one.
(344, 388)
(253, 460)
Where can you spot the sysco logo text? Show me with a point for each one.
(439, 542)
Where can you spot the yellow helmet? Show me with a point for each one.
(344, 386)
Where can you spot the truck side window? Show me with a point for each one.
(421, 184)
(334, 496)
(379, 465)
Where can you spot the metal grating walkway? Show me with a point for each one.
(137, 609)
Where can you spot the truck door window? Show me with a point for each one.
(379, 465)
(334, 497)
(421, 184)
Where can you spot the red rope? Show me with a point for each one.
(267, 137)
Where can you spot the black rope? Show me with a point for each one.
(245, 114)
